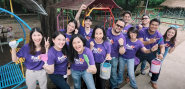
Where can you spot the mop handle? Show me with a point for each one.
(160, 40)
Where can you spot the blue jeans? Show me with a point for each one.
(143, 64)
(87, 77)
(113, 77)
(130, 68)
(59, 81)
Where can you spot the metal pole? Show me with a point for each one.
(146, 6)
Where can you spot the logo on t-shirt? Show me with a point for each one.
(79, 61)
(131, 47)
(61, 59)
(147, 39)
(167, 45)
(110, 40)
(67, 39)
(35, 59)
(87, 37)
(124, 31)
(97, 50)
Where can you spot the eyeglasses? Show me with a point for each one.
(144, 18)
(119, 26)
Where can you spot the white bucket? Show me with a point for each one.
(155, 66)
(105, 70)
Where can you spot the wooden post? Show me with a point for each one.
(11, 8)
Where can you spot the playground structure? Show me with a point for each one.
(102, 5)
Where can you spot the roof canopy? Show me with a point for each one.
(174, 3)
(76, 4)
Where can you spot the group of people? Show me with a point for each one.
(119, 45)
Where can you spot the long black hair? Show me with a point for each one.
(75, 22)
(102, 28)
(172, 40)
(31, 43)
(72, 54)
(64, 49)
(133, 30)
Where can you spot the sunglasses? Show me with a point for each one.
(144, 18)
(119, 26)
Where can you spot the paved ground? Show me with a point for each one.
(172, 74)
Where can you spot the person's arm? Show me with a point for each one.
(144, 42)
(49, 68)
(69, 69)
(154, 48)
(171, 49)
(108, 57)
(83, 6)
(13, 45)
(121, 48)
(14, 56)
(162, 50)
(92, 69)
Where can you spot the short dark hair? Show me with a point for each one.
(72, 54)
(155, 20)
(132, 29)
(102, 28)
(120, 20)
(88, 17)
(145, 15)
(64, 49)
(31, 43)
(75, 22)
(127, 12)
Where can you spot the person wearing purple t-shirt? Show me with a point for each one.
(85, 31)
(70, 30)
(79, 66)
(57, 61)
(145, 19)
(118, 44)
(31, 52)
(132, 46)
(126, 17)
(101, 51)
(149, 38)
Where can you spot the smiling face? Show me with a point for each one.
(170, 33)
(59, 41)
(133, 35)
(145, 20)
(126, 18)
(70, 27)
(78, 44)
(36, 37)
(154, 26)
(98, 35)
(118, 27)
(88, 23)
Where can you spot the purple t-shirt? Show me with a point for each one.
(132, 48)
(100, 50)
(68, 37)
(59, 60)
(167, 44)
(114, 42)
(146, 37)
(32, 62)
(80, 64)
(84, 34)
(142, 27)
(125, 29)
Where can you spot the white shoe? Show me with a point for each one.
(150, 74)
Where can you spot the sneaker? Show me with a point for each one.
(154, 85)
(150, 74)
(143, 72)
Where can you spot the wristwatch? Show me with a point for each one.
(162, 54)
(121, 46)
(68, 67)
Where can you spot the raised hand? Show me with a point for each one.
(91, 44)
(155, 47)
(120, 41)
(153, 40)
(83, 6)
(108, 58)
(46, 44)
(13, 44)
(76, 31)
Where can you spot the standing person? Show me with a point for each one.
(57, 61)
(101, 51)
(85, 31)
(117, 41)
(145, 19)
(79, 67)
(133, 45)
(70, 30)
(149, 38)
(126, 17)
(31, 53)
